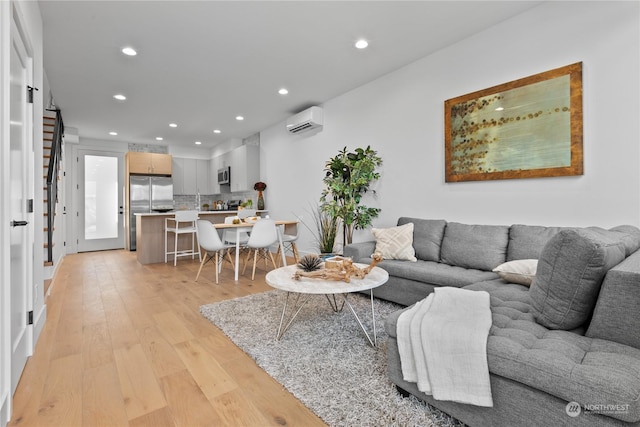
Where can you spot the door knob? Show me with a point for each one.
(19, 223)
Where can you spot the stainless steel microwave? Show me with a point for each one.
(224, 175)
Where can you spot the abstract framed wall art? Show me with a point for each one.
(526, 128)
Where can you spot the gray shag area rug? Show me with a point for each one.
(324, 358)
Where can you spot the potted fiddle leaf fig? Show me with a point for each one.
(348, 176)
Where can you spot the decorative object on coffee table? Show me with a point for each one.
(310, 263)
(345, 273)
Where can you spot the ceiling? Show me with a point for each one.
(202, 63)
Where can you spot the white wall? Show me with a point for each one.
(401, 116)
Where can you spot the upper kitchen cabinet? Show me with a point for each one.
(214, 165)
(203, 170)
(178, 175)
(149, 163)
(245, 167)
(191, 176)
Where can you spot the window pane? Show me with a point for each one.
(100, 197)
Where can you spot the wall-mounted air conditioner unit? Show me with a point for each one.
(311, 118)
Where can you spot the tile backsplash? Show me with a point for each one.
(188, 201)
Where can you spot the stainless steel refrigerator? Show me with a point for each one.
(148, 194)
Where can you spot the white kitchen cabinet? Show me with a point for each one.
(202, 176)
(245, 167)
(213, 175)
(190, 176)
(177, 174)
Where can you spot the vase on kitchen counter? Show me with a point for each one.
(260, 187)
(260, 201)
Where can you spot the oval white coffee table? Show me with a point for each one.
(282, 278)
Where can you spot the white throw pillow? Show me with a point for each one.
(521, 271)
(395, 242)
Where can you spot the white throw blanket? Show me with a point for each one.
(442, 342)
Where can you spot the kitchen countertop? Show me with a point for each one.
(199, 213)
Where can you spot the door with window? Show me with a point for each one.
(100, 199)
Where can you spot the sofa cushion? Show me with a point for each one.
(482, 247)
(520, 271)
(427, 236)
(527, 241)
(616, 316)
(435, 273)
(630, 237)
(570, 271)
(395, 242)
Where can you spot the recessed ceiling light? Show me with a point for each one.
(129, 51)
(159, 138)
(173, 125)
(362, 43)
(239, 118)
(216, 131)
(283, 91)
(120, 97)
(113, 133)
(198, 142)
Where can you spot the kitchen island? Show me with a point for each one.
(150, 233)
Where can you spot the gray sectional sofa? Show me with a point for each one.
(572, 336)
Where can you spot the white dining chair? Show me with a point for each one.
(263, 235)
(229, 235)
(214, 248)
(184, 222)
(288, 244)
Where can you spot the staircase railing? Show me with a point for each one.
(52, 180)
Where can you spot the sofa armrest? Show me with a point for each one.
(360, 250)
(616, 317)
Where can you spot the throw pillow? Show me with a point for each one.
(570, 271)
(520, 271)
(395, 242)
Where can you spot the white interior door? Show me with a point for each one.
(101, 209)
(21, 251)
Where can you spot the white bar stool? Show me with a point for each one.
(185, 217)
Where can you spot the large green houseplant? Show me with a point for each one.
(348, 176)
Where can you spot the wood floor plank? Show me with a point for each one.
(96, 345)
(189, 406)
(139, 386)
(100, 387)
(161, 354)
(203, 366)
(158, 418)
(172, 327)
(61, 401)
(236, 410)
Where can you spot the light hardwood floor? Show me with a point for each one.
(125, 345)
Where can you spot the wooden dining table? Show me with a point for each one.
(281, 225)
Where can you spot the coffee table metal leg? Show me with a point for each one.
(374, 342)
(294, 310)
(333, 302)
